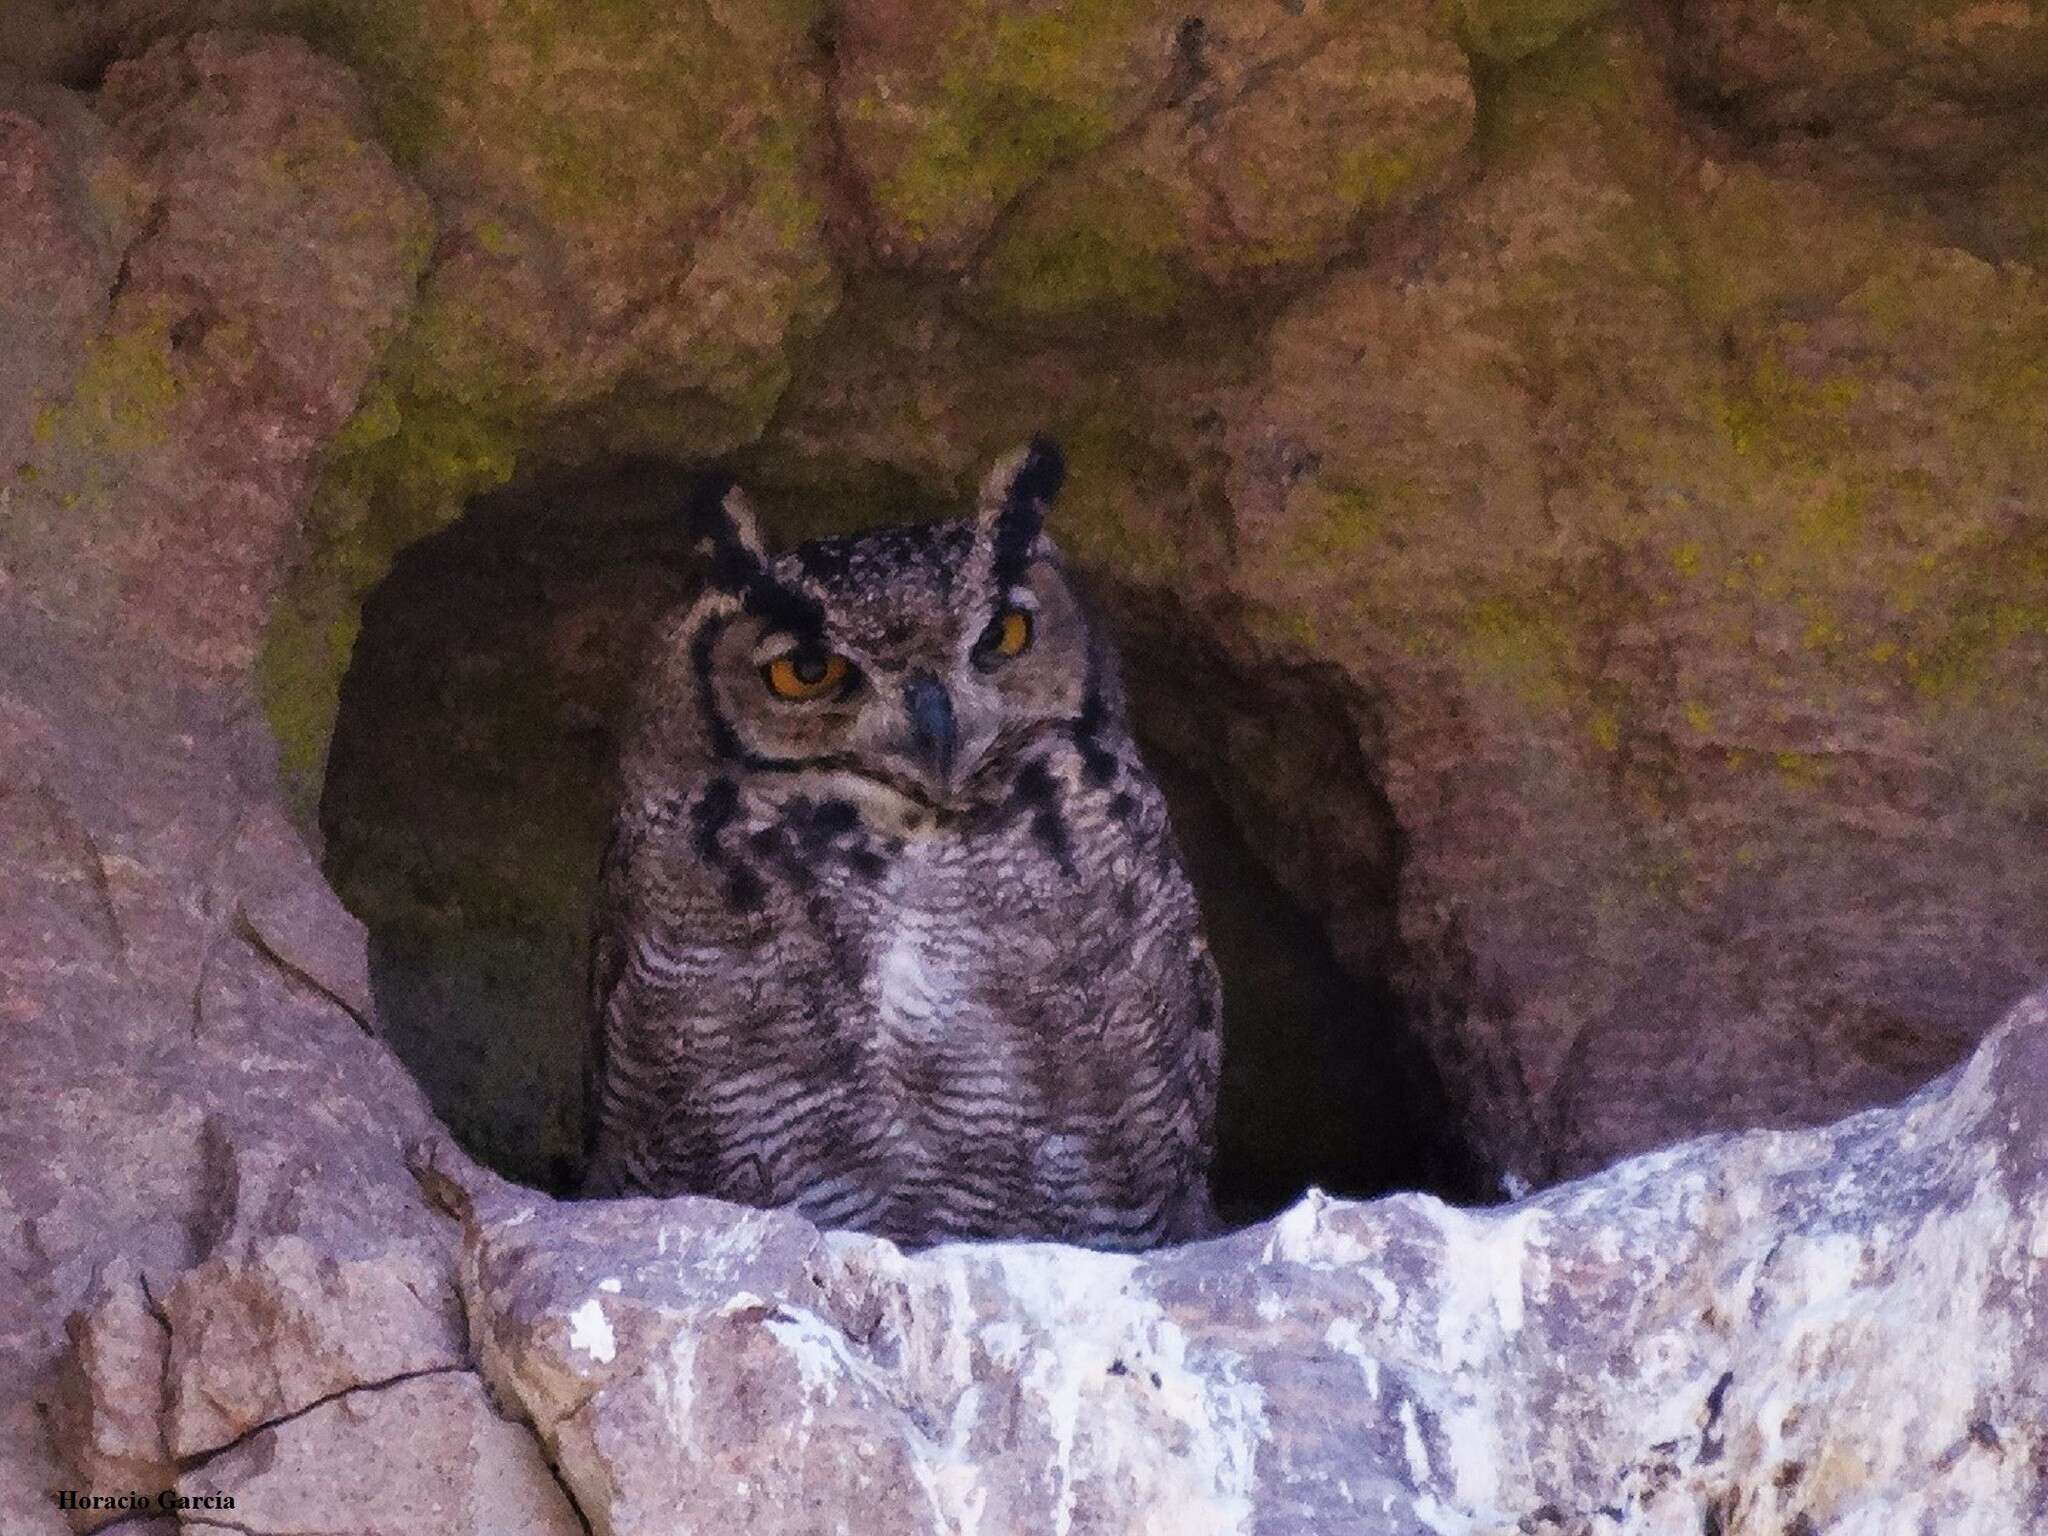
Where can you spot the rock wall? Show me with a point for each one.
(1618, 431)
(203, 268)
(1629, 416)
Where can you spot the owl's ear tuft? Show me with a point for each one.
(722, 522)
(1015, 498)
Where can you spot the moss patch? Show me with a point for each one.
(1502, 31)
(446, 418)
(1260, 172)
(1091, 250)
(124, 393)
(641, 249)
(951, 129)
(1523, 641)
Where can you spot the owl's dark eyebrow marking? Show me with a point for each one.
(1036, 789)
(796, 613)
(1097, 761)
(715, 808)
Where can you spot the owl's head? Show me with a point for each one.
(910, 665)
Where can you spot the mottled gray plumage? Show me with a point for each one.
(914, 955)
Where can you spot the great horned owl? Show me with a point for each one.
(892, 928)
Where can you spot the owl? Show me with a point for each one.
(892, 930)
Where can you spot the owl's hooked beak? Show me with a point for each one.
(934, 732)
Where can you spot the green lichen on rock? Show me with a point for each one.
(1134, 508)
(1943, 86)
(1525, 641)
(124, 393)
(1502, 31)
(949, 111)
(446, 419)
(637, 247)
(1904, 337)
(1652, 499)
(1093, 250)
(1281, 139)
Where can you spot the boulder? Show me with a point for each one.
(1836, 1329)
(1689, 591)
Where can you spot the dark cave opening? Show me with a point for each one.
(464, 809)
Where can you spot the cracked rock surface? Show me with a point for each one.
(424, 1454)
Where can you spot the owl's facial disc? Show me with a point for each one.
(906, 708)
(911, 669)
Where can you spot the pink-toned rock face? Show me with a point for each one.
(1679, 562)
(227, 252)
(1568, 492)
(426, 1453)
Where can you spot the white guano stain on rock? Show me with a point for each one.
(1107, 1376)
(819, 1350)
(1301, 1236)
(1345, 1336)
(589, 1332)
(1411, 1443)
(676, 1385)
(1481, 1304)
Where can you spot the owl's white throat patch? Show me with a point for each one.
(924, 963)
(915, 989)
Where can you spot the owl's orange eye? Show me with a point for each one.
(1008, 635)
(802, 676)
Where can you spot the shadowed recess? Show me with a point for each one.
(465, 806)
